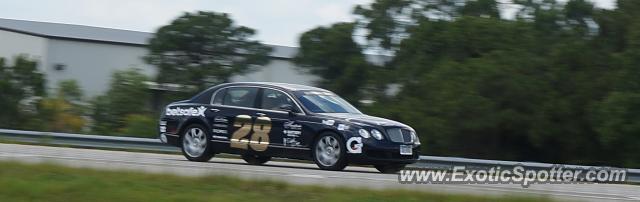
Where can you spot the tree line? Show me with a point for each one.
(122, 110)
(554, 82)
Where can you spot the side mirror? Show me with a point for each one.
(287, 108)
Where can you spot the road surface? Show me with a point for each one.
(297, 173)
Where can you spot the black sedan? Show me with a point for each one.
(261, 120)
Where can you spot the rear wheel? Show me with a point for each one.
(329, 152)
(255, 159)
(390, 168)
(196, 145)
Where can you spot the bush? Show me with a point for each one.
(138, 125)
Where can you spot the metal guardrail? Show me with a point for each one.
(148, 144)
(81, 140)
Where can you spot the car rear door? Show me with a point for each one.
(232, 122)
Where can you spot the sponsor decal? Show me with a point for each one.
(220, 119)
(191, 111)
(219, 131)
(354, 145)
(292, 125)
(220, 137)
(292, 133)
(343, 127)
(259, 137)
(220, 125)
(291, 142)
(328, 122)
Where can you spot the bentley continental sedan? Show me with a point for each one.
(260, 120)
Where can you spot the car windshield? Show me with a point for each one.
(325, 102)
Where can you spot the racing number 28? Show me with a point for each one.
(260, 137)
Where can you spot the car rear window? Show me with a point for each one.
(240, 96)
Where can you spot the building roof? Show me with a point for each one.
(100, 34)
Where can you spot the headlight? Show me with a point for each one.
(364, 133)
(376, 134)
(415, 138)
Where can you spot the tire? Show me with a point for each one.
(326, 158)
(195, 144)
(255, 159)
(390, 168)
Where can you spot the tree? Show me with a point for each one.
(331, 54)
(381, 19)
(21, 86)
(481, 8)
(204, 48)
(70, 91)
(388, 22)
(616, 118)
(127, 95)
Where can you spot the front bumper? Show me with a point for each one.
(376, 152)
(171, 139)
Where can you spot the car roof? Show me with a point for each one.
(286, 86)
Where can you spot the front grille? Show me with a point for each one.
(399, 135)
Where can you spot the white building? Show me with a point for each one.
(90, 55)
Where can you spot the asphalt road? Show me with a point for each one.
(298, 173)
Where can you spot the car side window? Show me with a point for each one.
(240, 96)
(217, 100)
(274, 100)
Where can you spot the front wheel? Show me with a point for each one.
(329, 152)
(195, 144)
(390, 168)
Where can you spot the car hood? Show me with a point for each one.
(365, 119)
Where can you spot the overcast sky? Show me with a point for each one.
(278, 22)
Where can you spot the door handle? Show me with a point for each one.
(261, 114)
(214, 110)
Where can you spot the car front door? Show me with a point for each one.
(285, 133)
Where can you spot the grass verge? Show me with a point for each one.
(48, 182)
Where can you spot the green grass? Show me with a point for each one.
(47, 182)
